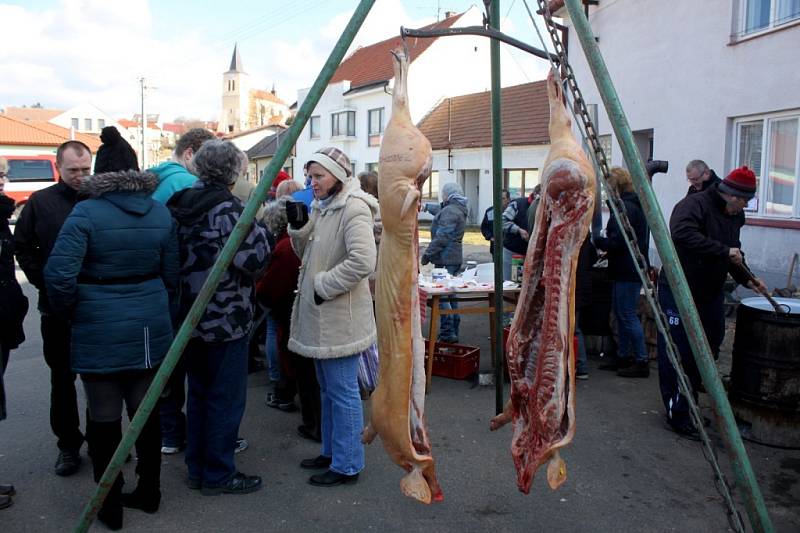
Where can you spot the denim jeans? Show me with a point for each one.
(448, 324)
(271, 347)
(217, 393)
(170, 407)
(342, 417)
(507, 264)
(629, 328)
(712, 316)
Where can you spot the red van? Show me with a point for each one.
(28, 174)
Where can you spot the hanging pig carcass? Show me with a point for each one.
(540, 352)
(397, 405)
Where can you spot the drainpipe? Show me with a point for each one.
(745, 477)
(240, 232)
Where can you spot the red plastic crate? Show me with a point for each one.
(455, 361)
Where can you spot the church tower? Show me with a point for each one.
(235, 92)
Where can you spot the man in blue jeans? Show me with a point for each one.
(446, 249)
(216, 356)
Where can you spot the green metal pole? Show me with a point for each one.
(497, 229)
(754, 501)
(238, 235)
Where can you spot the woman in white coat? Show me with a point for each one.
(332, 319)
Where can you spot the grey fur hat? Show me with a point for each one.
(126, 180)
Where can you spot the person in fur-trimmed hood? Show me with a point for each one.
(332, 318)
(110, 271)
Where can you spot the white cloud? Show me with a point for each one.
(94, 50)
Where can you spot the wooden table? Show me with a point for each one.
(483, 294)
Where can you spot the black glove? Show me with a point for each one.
(296, 214)
(318, 299)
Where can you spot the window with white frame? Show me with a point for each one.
(374, 126)
(87, 124)
(770, 146)
(343, 123)
(430, 189)
(759, 15)
(74, 123)
(101, 123)
(313, 127)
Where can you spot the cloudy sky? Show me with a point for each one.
(66, 52)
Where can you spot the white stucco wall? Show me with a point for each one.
(82, 112)
(676, 71)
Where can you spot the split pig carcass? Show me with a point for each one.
(540, 350)
(397, 405)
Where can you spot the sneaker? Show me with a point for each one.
(639, 369)
(171, 450)
(238, 484)
(582, 375)
(241, 445)
(67, 463)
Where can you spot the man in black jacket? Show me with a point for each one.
(34, 236)
(487, 224)
(699, 176)
(705, 229)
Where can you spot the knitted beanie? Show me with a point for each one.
(334, 161)
(740, 182)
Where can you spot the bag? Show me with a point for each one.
(13, 308)
(368, 369)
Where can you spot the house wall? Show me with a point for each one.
(83, 112)
(466, 163)
(676, 71)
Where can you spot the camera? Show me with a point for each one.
(656, 166)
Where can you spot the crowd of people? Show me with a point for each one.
(704, 227)
(119, 256)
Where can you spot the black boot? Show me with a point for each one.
(104, 438)
(147, 494)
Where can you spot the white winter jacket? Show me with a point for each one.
(337, 249)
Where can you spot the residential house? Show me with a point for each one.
(460, 132)
(131, 131)
(357, 104)
(20, 137)
(262, 153)
(714, 80)
(85, 118)
(244, 140)
(244, 108)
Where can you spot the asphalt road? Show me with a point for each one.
(626, 472)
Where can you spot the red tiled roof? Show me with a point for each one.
(266, 95)
(125, 123)
(373, 63)
(37, 133)
(524, 108)
(174, 128)
(31, 113)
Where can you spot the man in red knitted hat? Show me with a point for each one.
(705, 229)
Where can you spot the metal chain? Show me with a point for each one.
(580, 111)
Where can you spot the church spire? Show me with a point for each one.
(236, 60)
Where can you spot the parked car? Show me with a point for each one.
(26, 175)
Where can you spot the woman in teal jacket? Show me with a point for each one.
(110, 272)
